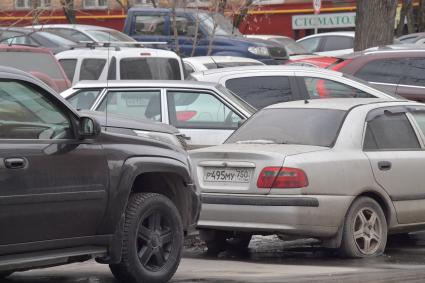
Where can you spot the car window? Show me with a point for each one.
(390, 132)
(26, 113)
(69, 65)
(415, 72)
(138, 104)
(150, 68)
(91, 69)
(323, 88)
(189, 69)
(311, 44)
(292, 126)
(32, 62)
(419, 117)
(262, 91)
(199, 110)
(149, 25)
(112, 71)
(70, 34)
(337, 43)
(383, 71)
(183, 26)
(16, 38)
(84, 99)
(109, 35)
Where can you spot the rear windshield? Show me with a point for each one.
(150, 69)
(32, 62)
(291, 126)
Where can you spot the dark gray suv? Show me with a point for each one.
(72, 188)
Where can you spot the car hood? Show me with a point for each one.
(122, 121)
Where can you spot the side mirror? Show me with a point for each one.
(88, 128)
(240, 122)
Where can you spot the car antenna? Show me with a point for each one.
(216, 65)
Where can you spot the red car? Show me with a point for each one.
(313, 61)
(39, 62)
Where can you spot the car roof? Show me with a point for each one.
(144, 83)
(338, 33)
(243, 69)
(408, 50)
(335, 103)
(121, 52)
(219, 59)
(71, 26)
(23, 48)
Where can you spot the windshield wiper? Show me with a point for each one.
(256, 141)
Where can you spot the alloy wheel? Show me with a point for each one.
(367, 231)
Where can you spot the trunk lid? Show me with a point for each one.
(234, 168)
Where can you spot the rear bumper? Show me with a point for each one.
(311, 216)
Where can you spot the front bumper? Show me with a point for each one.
(303, 215)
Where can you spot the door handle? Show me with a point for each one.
(384, 165)
(15, 163)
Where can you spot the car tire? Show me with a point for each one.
(222, 240)
(365, 230)
(152, 240)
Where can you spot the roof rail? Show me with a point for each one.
(116, 44)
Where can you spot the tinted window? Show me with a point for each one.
(390, 132)
(262, 91)
(112, 72)
(321, 88)
(415, 72)
(150, 69)
(292, 126)
(138, 104)
(311, 44)
(32, 62)
(25, 113)
(199, 110)
(69, 34)
(149, 25)
(383, 71)
(68, 65)
(91, 69)
(84, 99)
(337, 43)
(420, 119)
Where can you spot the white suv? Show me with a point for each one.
(121, 63)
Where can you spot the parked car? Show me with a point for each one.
(72, 190)
(39, 62)
(315, 61)
(349, 173)
(78, 33)
(154, 25)
(293, 49)
(121, 63)
(202, 63)
(24, 36)
(329, 43)
(398, 71)
(261, 86)
(205, 113)
(412, 38)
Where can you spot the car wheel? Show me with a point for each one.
(222, 240)
(152, 240)
(365, 229)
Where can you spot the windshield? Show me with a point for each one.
(52, 39)
(32, 62)
(109, 35)
(223, 25)
(291, 46)
(154, 68)
(236, 99)
(292, 126)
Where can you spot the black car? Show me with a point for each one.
(72, 189)
(27, 36)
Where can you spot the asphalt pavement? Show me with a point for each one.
(268, 260)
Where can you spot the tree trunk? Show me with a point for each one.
(375, 22)
(403, 15)
(421, 16)
(68, 10)
(411, 20)
(174, 25)
(222, 6)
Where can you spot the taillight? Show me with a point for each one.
(341, 65)
(282, 177)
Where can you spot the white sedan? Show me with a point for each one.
(203, 63)
(345, 171)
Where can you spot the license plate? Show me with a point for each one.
(234, 175)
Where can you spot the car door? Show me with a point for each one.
(397, 159)
(52, 184)
(261, 90)
(202, 116)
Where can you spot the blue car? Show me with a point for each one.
(197, 32)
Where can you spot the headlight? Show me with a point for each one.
(261, 51)
(162, 137)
